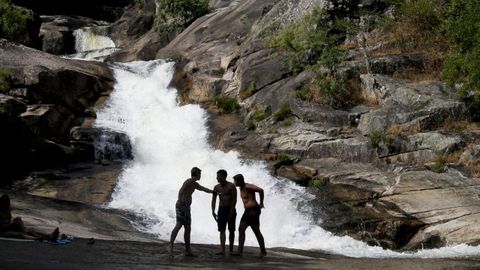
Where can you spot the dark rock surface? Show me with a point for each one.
(108, 10)
(49, 95)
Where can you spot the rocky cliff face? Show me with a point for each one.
(398, 170)
(398, 191)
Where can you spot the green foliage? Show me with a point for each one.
(420, 105)
(425, 15)
(317, 182)
(182, 12)
(439, 164)
(13, 20)
(332, 90)
(462, 66)
(260, 113)
(248, 91)
(378, 137)
(272, 130)
(251, 125)
(309, 42)
(228, 105)
(284, 157)
(4, 80)
(282, 113)
(312, 44)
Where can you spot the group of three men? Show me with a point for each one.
(226, 210)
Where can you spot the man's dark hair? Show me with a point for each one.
(4, 202)
(239, 178)
(222, 173)
(195, 171)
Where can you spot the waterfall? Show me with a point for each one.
(168, 140)
(93, 43)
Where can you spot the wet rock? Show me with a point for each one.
(11, 106)
(101, 144)
(49, 121)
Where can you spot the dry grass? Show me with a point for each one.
(455, 126)
(474, 168)
(369, 100)
(399, 131)
(453, 157)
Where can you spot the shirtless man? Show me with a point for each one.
(251, 216)
(226, 209)
(182, 208)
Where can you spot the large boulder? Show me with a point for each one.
(49, 95)
(74, 84)
(52, 122)
(101, 144)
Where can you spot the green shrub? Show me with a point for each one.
(332, 90)
(251, 125)
(260, 113)
(13, 20)
(282, 113)
(248, 91)
(312, 44)
(4, 80)
(425, 15)
(317, 182)
(272, 130)
(182, 12)
(284, 157)
(309, 42)
(439, 164)
(228, 105)
(377, 137)
(462, 66)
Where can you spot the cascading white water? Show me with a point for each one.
(168, 140)
(89, 39)
(92, 43)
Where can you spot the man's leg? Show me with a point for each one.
(241, 237)
(231, 238)
(175, 230)
(222, 243)
(261, 241)
(186, 237)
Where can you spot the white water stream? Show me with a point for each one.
(92, 43)
(168, 140)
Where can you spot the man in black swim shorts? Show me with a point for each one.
(182, 209)
(226, 209)
(251, 217)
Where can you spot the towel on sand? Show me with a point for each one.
(62, 239)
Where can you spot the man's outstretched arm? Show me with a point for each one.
(202, 188)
